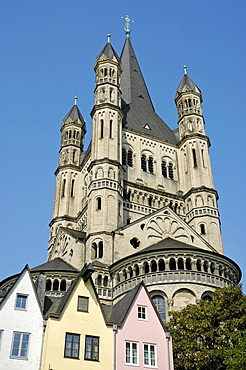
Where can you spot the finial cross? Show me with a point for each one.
(127, 25)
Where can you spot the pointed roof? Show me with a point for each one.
(187, 81)
(74, 114)
(136, 102)
(109, 52)
(116, 314)
(56, 264)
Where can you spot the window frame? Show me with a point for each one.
(130, 355)
(92, 337)
(20, 347)
(86, 299)
(21, 296)
(142, 312)
(149, 355)
(72, 345)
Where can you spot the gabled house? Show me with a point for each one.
(77, 335)
(140, 337)
(21, 323)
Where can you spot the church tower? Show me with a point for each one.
(67, 192)
(196, 180)
(105, 202)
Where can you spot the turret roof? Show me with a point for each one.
(187, 81)
(109, 52)
(74, 114)
(139, 113)
(56, 264)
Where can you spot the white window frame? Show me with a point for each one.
(20, 348)
(131, 353)
(149, 345)
(142, 312)
(23, 296)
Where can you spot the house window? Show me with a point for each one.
(91, 348)
(20, 345)
(72, 345)
(131, 353)
(21, 302)
(142, 312)
(150, 355)
(83, 303)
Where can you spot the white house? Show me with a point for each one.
(21, 325)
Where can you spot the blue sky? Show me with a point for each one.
(48, 49)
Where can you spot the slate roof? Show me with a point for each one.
(109, 52)
(139, 113)
(76, 233)
(56, 264)
(74, 114)
(186, 80)
(117, 313)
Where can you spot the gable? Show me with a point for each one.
(153, 228)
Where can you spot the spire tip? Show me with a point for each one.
(185, 69)
(127, 25)
(108, 36)
(75, 100)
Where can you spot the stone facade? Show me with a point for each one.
(140, 202)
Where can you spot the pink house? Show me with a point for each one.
(141, 341)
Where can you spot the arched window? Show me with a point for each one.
(99, 280)
(99, 203)
(72, 188)
(164, 169)
(124, 274)
(150, 200)
(48, 285)
(102, 127)
(188, 264)
(151, 165)
(128, 221)
(170, 171)
(130, 158)
(198, 265)
(130, 272)
(105, 281)
(111, 128)
(94, 251)
(160, 305)
(146, 267)
(161, 265)
(143, 163)
(153, 266)
(202, 229)
(212, 268)
(194, 157)
(123, 156)
(180, 264)
(136, 268)
(172, 264)
(63, 286)
(56, 285)
(205, 266)
(100, 249)
(63, 188)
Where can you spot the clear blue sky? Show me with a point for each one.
(48, 49)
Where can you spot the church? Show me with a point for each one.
(139, 202)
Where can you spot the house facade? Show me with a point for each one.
(21, 325)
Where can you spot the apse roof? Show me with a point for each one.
(139, 113)
(56, 264)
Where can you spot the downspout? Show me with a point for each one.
(115, 331)
(168, 335)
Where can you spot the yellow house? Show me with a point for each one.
(76, 334)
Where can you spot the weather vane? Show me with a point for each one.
(127, 25)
